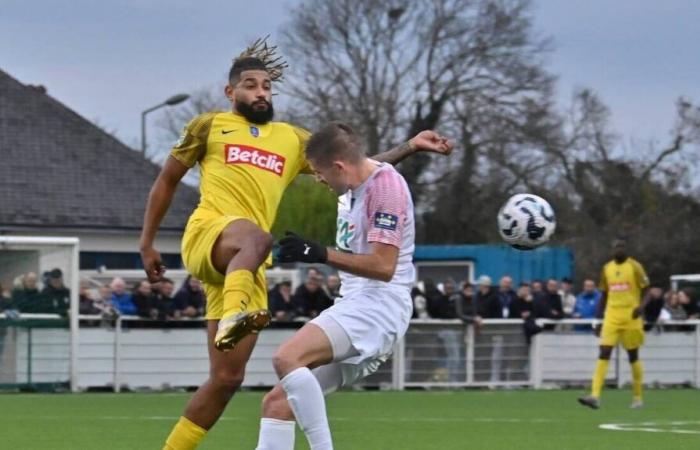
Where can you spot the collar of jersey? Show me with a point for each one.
(264, 129)
(359, 189)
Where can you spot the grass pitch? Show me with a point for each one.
(442, 420)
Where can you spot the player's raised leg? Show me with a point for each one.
(226, 370)
(238, 252)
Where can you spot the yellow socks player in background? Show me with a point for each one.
(637, 375)
(185, 436)
(601, 370)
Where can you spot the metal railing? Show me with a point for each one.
(129, 352)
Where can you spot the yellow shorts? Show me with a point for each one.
(201, 233)
(619, 327)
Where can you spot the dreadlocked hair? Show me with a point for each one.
(259, 56)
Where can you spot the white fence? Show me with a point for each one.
(434, 353)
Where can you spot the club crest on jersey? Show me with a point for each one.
(254, 131)
(344, 233)
(243, 154)
(386, 221)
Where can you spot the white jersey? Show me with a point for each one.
(379, 210)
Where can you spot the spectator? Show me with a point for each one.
(506, 298)
(190, 300)
(103, 302)
(281, 304)
(309, 299)
(524, 307)
(523, 304)
(165, 303)
(687, 304)
(587, 301)
(653, 307)
(445, 307)
(586, 304)
(487, 303)
(537, 289)
(5, 298)
(465, 307)
(56, 294)
(548, 305)
(86, 304)
(420, 303)
(672, 310)
(442, 304)
(145, 300)
(333, 285)
(27, 297)
(568, 299)
(121, 300)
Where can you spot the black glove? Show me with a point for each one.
(295, 248)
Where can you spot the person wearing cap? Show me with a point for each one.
(56, 294)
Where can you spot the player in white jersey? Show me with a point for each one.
(348, 341)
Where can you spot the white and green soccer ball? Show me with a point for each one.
(526, 221)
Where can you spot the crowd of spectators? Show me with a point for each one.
(154, 301)
(308, 299)
(548, 299)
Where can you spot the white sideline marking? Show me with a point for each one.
(651, 427)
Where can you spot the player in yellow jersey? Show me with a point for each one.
(246, 162)
(622, 283)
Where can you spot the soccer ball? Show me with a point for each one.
(526, 221)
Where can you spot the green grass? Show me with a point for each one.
(363, 420)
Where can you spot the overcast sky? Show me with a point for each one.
(108, 60)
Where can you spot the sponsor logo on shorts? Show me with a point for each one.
(242, 154)
(386, 221)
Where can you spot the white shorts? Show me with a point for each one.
(363, 329)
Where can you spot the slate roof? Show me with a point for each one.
(58, 170)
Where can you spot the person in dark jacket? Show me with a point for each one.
(487, 303)
(652, 310)
(56, 294)
(190, 299)
(27, 297)
(309, 298)
(145, 300)
(549, 305)
(280, 300)
(165, 303)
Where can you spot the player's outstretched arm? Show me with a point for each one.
(425, 141)
(158, 203)
(379, 264)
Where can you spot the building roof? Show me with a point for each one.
(59, 170)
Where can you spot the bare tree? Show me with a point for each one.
(392, 69)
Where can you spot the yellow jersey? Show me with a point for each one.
(244, 167)
(624, 283)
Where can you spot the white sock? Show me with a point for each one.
(276, 435)
(305, 397)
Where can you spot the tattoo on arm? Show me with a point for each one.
(396, 154)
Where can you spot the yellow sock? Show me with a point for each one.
(238, 286)
(637, 374)
(601, 369)
(185, 436)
